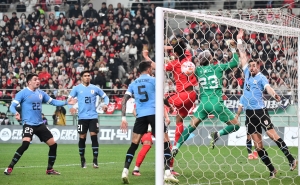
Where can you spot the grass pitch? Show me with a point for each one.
(200, 165)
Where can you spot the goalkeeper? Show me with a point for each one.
(211, 102)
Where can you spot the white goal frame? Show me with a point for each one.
(160, 75)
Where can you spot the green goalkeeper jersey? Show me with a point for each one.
(210, 79)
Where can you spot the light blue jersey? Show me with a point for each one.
(31, 103)
(143, 89)
(86, 97)
(253, 90)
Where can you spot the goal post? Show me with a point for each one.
(169, 22)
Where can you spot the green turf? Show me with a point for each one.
(219, 166)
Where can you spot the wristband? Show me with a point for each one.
(123, 118)
(239, 41)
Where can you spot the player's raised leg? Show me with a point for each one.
(186, 133)
(283, 147)
(225, 115)
(263, 154)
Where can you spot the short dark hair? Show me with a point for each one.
(30, 76)
(251, 60)
(179, 49)
(83, 72)
(144, 65)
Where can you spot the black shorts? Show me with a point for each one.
(41, 131)
(85, 125)
(258, 119)
(141, 125)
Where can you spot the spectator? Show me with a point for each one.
(91, 12)
(59, 116)
(4, 119)
(45, 121)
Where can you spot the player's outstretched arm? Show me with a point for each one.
(124, 124)
(272, 93)
(242, 51)
(147, 58)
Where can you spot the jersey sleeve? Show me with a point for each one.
(170, 66)
(47, 99)
(18, 99)
(73, 92)
(232, 64)
(264, 82)
(130, 90)
(103, 95)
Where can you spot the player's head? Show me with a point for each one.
(179, 49)
(85, 77)
(205, 57)
(33, 81)
(145, 67)
(253, 67)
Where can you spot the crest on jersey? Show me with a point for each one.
(266, 122)
(40, 96)
(92, 91)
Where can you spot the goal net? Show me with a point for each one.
(271, 37)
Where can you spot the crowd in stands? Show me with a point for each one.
(109, 42)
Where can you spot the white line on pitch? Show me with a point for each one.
(61, 165)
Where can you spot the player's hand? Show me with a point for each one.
(277, 97)
(240, 34)
(73, 111)
(167, 121)
(104, 108)
(18, 116)
(124, 126)
(72, 101)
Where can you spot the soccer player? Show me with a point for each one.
(185, 95)
(257, 116)
(211, 102)
(86, 94)
(31, 99)
(254, 154)
(143, 88)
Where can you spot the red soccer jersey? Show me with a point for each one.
(182, 81)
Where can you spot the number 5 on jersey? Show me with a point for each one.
(141, 91)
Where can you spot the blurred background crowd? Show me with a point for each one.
(60, 40)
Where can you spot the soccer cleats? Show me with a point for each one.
(174, 151)
(293, 165)
(8, 171)
(214, 138)
(136, 173)
(273, 174)
(253, 155)
(125, 176)
(52, 172)
(175, 173)
(95, 165)
(169, 177)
